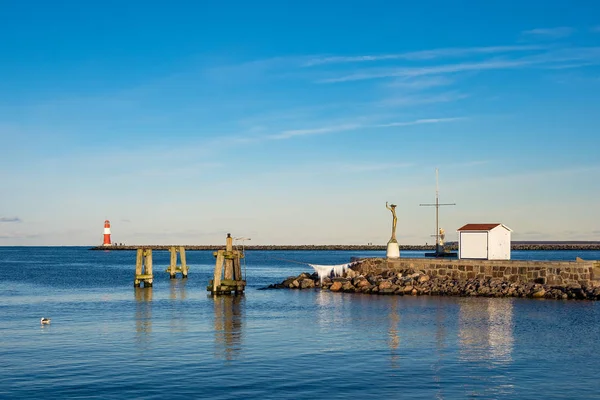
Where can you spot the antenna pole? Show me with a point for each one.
(437, 205)
(437, 209)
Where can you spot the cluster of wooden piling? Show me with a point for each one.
(227, 278)
(173, 268)
(228, 271)
(143, 268)
(143, 265)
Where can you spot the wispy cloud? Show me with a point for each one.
(549, 33)
(10, 219)
(350, 127)
(421, 83)
(595, 28)
(556, 57)
(419, 122)
(413, 100)
(435, 70)
(571, 65)
(315, 131)
(566, 55)
(420, 55)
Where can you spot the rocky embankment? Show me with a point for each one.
(417, 283)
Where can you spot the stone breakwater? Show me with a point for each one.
(374, 276)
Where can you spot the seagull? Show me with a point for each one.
(45, 321)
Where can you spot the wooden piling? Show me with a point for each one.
(148, 257)
(143, 268)
(173, 266)
(184, 267)
(229, 259)
(237, 269)
(138, 267)
(218, 270)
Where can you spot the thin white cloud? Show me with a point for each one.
(421, 83)
(420, 55)
(588, 55)
(549, 33)
(412, 100)
(419, 122)
(422, 71)
(570, 66)
(595, 28)
(350, 127)
(315, 131)
(566, 55)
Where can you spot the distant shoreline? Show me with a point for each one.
(359, 247)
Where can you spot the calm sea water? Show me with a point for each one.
(109, 340)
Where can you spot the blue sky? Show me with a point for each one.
(294, 122)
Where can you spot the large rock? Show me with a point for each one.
(288, 281)
(362, 282)
(385, 285)
(366, 289)
(307, 283)
(424, 278)
(538, 293)
(336, 286)
(374, 279)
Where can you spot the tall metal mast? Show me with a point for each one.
(437, 207)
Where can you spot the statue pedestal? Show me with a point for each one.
(393, 249)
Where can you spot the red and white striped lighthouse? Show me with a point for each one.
(106, 233)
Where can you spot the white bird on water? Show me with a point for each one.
(45, 321)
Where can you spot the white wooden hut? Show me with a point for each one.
(484, 242)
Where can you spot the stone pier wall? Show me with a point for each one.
(559, 273)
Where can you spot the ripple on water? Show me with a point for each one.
(109, 340)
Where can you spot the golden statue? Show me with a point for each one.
(392, 208)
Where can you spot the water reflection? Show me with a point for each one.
(327, 309)
(393, 334)
(486, 339)
(486, 330)
(441, 320)
(228, 326)
(177, 291)
(501, 330)
(143, 313)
